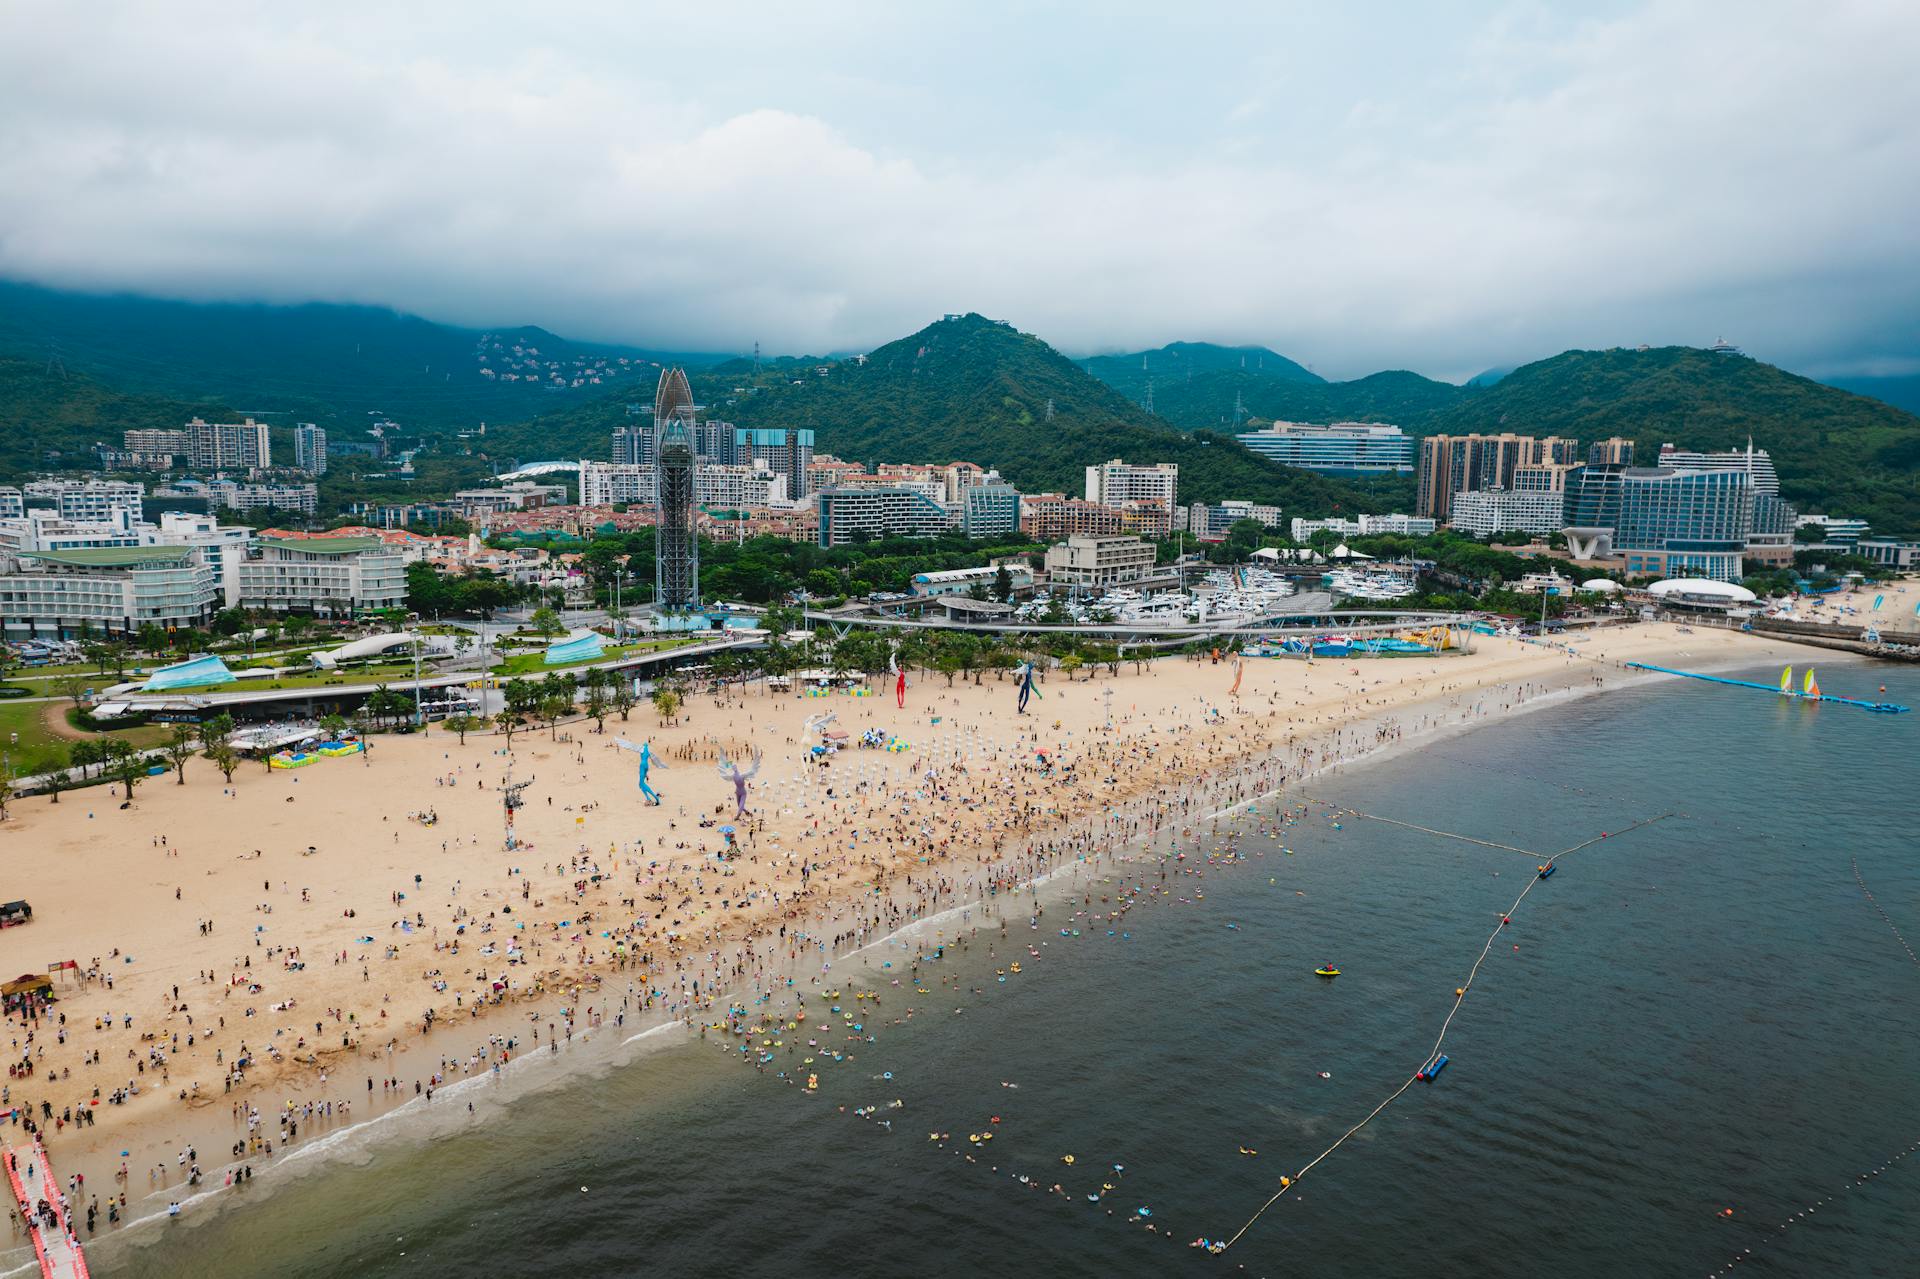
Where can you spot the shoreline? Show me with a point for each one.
(1332, 744)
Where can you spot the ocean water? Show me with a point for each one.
(1700, 1014)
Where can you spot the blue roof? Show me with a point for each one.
(199, 670)
(577, 648)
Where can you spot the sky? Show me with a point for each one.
(1359, 186)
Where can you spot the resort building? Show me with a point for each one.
(856, 514)
(1099, 562)
(1365, 526)
(328, 576)
(1757, 463)
(782, 450)
(1487, 512)
(1210, 523)
(1339, 448)
(113, 590)
(1661, 521)
(1053, 517)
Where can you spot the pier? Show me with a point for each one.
(34, 1180)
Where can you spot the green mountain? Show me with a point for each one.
(1179, 362)
(1901, 392)
(51, 419)
(1836, 452)
(969, 388)
(332, 364)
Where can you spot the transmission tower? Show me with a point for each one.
(1149, 403)
(1049, 410)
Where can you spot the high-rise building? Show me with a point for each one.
(1112, 483)
(988, 510)
(1342, 448)
(224, 446)
(1616, 450)
(1452, 464)
(676, 548)
(1662, 521)
(783, 450)
(633, 446)
(310, 448)
(615, 483)
(157, 449)
(851, 514)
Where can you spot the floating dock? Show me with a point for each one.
(1882, 708)
(33, 1179)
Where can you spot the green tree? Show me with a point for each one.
(179, 748)
(546, 622)
(129, 769)
(224, 757)
(522, 698)
(462, 724)
(621, 691)
(666, 703)
(1002, 584)
(86, 753)
(598, 701)
(54, 772)
(217, 731)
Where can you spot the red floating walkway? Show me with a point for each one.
(33, 1180)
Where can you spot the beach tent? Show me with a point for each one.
(581, 646)
(28, 988)
(187, 674)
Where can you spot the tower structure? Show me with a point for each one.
(676, 549)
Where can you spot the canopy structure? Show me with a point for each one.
(581, 646)
(1700, 589)
(1600, 585)
(27, 983)
(372, 646)
(188, 674)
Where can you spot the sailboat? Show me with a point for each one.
(1786, 681)
(1810, 688)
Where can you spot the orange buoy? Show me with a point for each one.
(1459, 992)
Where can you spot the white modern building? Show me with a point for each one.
(1756, 463)
(262, 496)
(962, 581)
(64, 594)
(1488, 512)
(1099, 561)
(1338, 448)
(331, 576)
(1210, 523)
(88, 501)
(1115, 482)
(1365, 526)
(872, 511)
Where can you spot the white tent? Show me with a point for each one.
(1600, 585)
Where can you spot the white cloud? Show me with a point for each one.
(1357, 195)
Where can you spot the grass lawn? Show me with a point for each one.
(318, 679)
(535, 663)
(34, 750)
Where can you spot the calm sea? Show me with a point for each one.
(1701, 1014)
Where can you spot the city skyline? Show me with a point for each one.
(1445, 192)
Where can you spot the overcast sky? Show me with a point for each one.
(1436, 187)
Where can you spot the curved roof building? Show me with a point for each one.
(672, 398)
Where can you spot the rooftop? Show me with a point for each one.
(326, 545)
(111, 556)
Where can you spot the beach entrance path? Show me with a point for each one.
(33, 1179)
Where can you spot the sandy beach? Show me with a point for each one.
(271, 960)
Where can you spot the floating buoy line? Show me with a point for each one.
(1435, 1060)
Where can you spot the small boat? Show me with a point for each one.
(1327, 971)
(1546, 870)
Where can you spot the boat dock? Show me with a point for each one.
(33, 1179)
(1883, 708)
